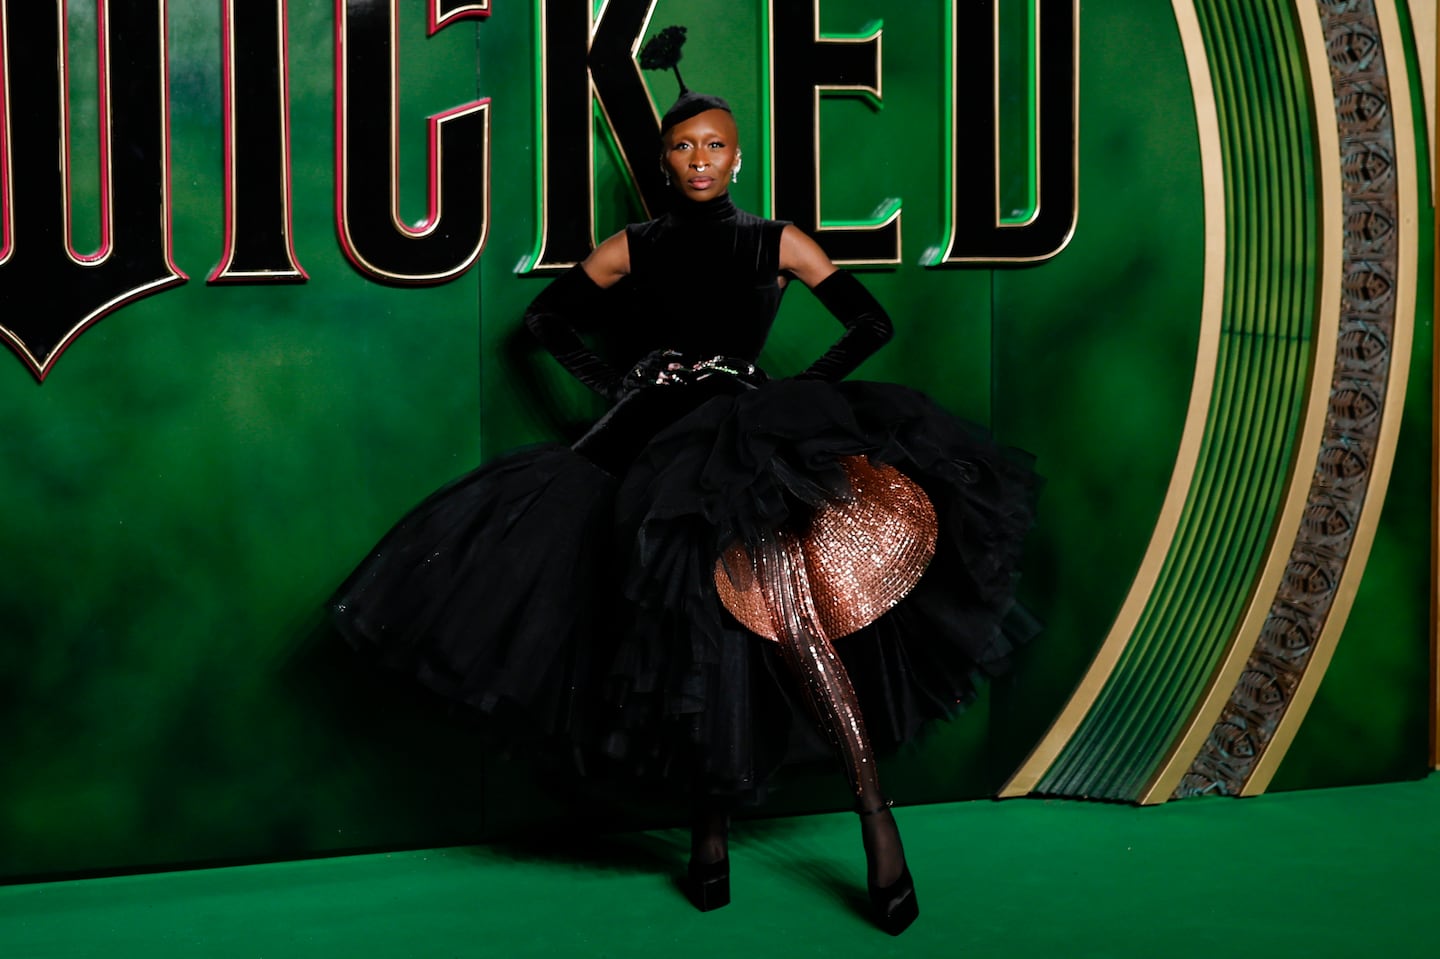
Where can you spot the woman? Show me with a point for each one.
(583, 591)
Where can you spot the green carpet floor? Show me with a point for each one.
(1341, 872)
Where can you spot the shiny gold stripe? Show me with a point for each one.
(1326, 332)
(1207, 123)
(1435, 438)
(1407, 183)
(1423, 25)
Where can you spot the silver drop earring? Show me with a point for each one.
(735, 173)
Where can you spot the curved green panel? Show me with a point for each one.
(1371, 716)
(1258, 71)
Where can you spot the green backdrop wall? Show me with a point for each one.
(203, 466)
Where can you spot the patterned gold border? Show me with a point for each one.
(1308, 447)
(1207, 122)
(1407, 185)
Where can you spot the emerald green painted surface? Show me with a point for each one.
(1343, 872)
(203, 467)
(192, 480)
(1094, 352)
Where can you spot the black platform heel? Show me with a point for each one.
(708, 875)
(894, 905)
(708, 884)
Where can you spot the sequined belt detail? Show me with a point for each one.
(673, 368)
(860, 556)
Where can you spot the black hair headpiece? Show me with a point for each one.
(691, 104)
(663, 52)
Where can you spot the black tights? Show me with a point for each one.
(828, 692)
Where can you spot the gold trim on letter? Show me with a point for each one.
(875, 93)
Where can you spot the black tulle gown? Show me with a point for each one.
(569, 593)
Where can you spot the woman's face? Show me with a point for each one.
(699, 154)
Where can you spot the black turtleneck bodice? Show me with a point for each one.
(703, 281)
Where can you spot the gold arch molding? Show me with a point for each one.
(1277, 650)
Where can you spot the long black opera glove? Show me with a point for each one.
(552, 316)
(867, 327)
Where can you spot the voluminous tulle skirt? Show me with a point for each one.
(569, 593)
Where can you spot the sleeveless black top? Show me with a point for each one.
(704, 281)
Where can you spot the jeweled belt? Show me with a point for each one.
(673, 368)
